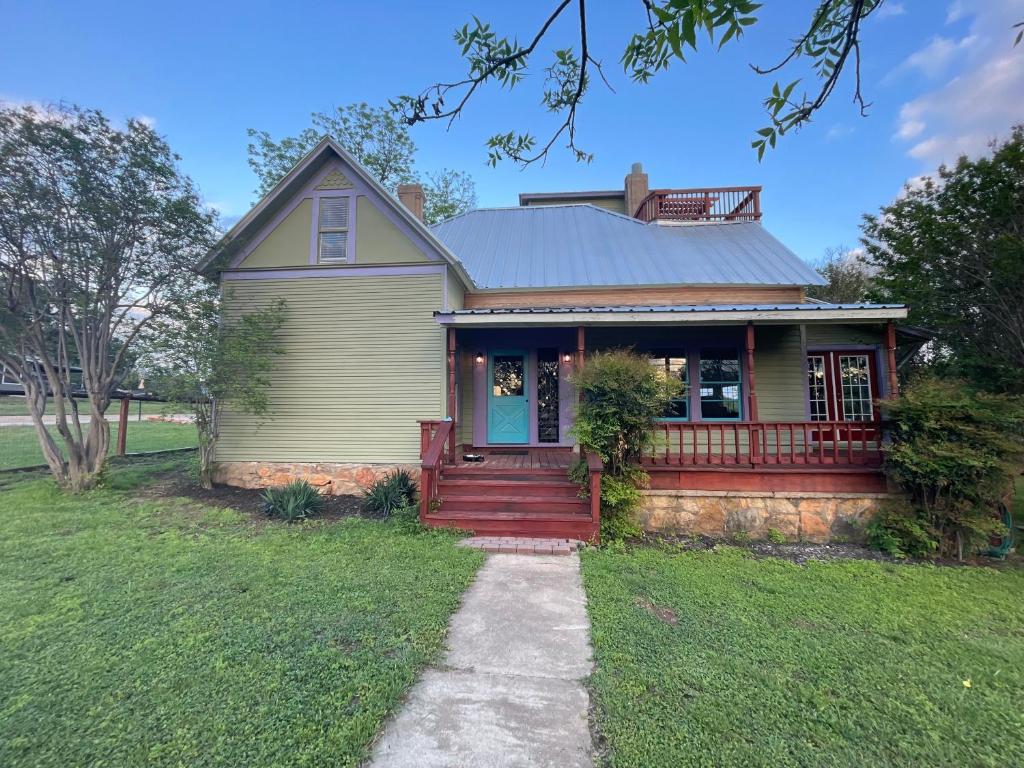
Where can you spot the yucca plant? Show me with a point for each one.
(395, 491)
(295, 501)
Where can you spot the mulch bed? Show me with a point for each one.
(246, 500)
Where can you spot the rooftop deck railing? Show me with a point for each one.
(710, 204)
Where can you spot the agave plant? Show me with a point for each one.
(295, 501)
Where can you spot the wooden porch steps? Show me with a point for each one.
(512, 501)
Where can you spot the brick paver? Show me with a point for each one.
(522, 545)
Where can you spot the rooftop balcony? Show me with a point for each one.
(696, 205)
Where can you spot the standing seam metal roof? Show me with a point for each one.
(586, 246)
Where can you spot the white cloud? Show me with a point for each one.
(956, 12)
(890, 9)
(838, 131)
(935, 58)
(146, 120)
(977, 106)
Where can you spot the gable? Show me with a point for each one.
(334, 219)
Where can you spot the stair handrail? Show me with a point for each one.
(430, 465)
(595, 467)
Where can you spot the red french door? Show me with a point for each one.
(842, 385)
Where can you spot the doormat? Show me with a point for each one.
(510, 453)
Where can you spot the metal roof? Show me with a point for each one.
(582, 246)
(810, 307)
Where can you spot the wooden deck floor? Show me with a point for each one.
(521, 458)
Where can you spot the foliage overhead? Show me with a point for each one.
(379, 141)
(953, 249)
(668, 32)
(956, 452)
(848, 276)
(209, 361)
(100, 234)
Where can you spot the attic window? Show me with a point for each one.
(332, 230)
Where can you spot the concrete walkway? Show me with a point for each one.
(510, 692)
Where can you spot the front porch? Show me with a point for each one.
(771, 407)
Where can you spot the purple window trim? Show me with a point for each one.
(295, 273)
(350, 242)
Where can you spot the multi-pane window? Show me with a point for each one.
(675, 367)
(817, 388)
(855, 379)
(720, 386)
(332, 230)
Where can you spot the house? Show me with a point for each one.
(413, 346)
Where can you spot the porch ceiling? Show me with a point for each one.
(705, 314)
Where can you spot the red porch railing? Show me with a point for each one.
(710, 204)
(433, 437)
(766, 443)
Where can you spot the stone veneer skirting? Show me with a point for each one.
(807, 516)
(332, 479)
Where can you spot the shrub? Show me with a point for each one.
(622, 395)
(742, 537)
(775, 536)
(295, 501)
(902, 531)
(956, 452)
(393, 492)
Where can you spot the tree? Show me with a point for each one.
(209, 361)
(379, 141)
(99, 237)
(953, 249)
(848, 276)
(830, 41)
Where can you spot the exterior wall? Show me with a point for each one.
(364, 360)
(456, 295)
(616, 204)
(805, 516)
(334, 479)
(868, 335)
(288, 244)
(603, 297)
(780, 373)
(379, 241)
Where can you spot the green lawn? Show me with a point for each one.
(19, 446)
(139, 632)
(775, 664)
(14, 405)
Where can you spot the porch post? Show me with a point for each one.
(751, 384)
(451, 392)
(890, 349)
(580, 348)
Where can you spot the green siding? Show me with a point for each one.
(779, 373)
(844, 334)
(288, 244)
(364, 360)
(379, 241)
(616, 204)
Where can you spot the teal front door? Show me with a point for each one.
(508, 402)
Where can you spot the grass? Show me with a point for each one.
(19, 446)
(156, 632)
(14, 405)
(715, 658)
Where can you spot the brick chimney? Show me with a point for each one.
(411, 196)
(636, 188)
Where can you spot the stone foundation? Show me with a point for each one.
(806, 516)
(329, 479)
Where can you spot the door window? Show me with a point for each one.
(841, 386)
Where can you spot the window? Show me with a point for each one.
(547, 395)
(675, 367)
(817, 388)
(841, 386)
(332, 230)
(855, 376)
(720, 385)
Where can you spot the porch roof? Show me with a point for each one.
(708, 314)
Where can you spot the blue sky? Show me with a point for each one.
(941, 76)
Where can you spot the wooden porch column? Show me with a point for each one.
(890, 360)
(580, 348)
(452, 405)
(122, 426)
(751, 383)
